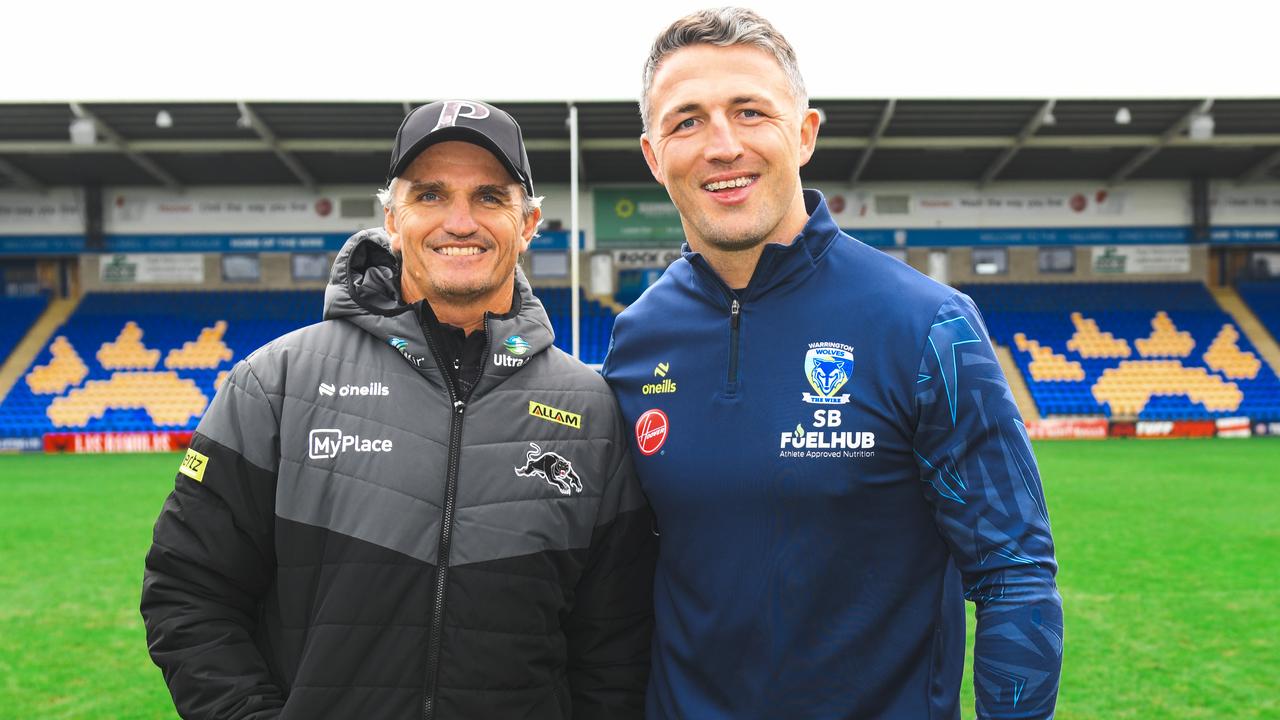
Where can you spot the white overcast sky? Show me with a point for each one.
(427, 49)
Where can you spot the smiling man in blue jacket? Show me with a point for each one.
(831, 448)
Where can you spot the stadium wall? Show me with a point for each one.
(1024, 267)
(876, 211)
(276, 273)
(917, 218)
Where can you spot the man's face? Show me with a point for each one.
(458, 225)
(727, 140)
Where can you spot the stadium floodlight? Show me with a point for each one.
(164, 119)
(1201, 127)
(83, 131)
(1123, 117)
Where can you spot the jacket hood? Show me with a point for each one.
(364, 289)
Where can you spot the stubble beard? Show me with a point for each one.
(442, 289)
(467, 293)
(724, 240)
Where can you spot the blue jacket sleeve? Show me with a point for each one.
(980, 476)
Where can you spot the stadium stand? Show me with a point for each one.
(1263, 298)
(146, 360)
(19, 314)
(152, 360)
(1155, 351)
(597, 323)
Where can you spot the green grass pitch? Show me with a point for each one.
(1170, 556)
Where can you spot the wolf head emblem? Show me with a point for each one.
(827, 373)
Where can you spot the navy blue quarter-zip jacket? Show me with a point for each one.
(836, 462)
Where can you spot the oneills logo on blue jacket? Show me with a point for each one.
(827, 367)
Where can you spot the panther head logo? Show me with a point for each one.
(556, 470)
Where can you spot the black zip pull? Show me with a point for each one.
(734, 314)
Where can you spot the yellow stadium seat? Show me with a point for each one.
(64, 370)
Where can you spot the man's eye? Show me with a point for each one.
(428, 196)
(488, 199)
(752, 113)
(686, 124)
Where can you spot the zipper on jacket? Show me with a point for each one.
(735, 319)
(699, 264)
(442, 558)
(436, 629)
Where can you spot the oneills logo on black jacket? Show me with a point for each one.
(556, 470)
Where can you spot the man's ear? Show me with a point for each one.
(530, 227)
(389, 224)
(651, 158)
(809, 123)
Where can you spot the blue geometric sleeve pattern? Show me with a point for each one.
(980, 476)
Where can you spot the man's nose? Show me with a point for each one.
(723, 144)
(460, 222)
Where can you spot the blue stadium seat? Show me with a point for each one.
(1042, 312)
(170, 319)
(167, 320)
(19, 314)
(1263, 298)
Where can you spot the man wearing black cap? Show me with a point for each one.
(419, 508)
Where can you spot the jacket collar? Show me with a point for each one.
(781, 265)
(364, 289)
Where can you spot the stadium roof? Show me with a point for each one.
(861, 141)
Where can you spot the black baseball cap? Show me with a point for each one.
(468, 121)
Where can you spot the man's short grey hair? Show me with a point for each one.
(723, 27)
(528, 203)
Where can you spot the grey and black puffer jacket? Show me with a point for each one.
(347, 539)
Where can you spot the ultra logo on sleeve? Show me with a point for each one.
(193, 465)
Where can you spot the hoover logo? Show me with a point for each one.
(326, 443)
(827, 367)
(556, 470)
(516, 345)
(374, 388)
(402, 345)
(651, 431)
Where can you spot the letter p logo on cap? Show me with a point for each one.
(453, 109)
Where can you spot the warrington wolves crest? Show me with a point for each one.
(827, 367)
(557, 471)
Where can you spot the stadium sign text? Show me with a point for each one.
(118, 442)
